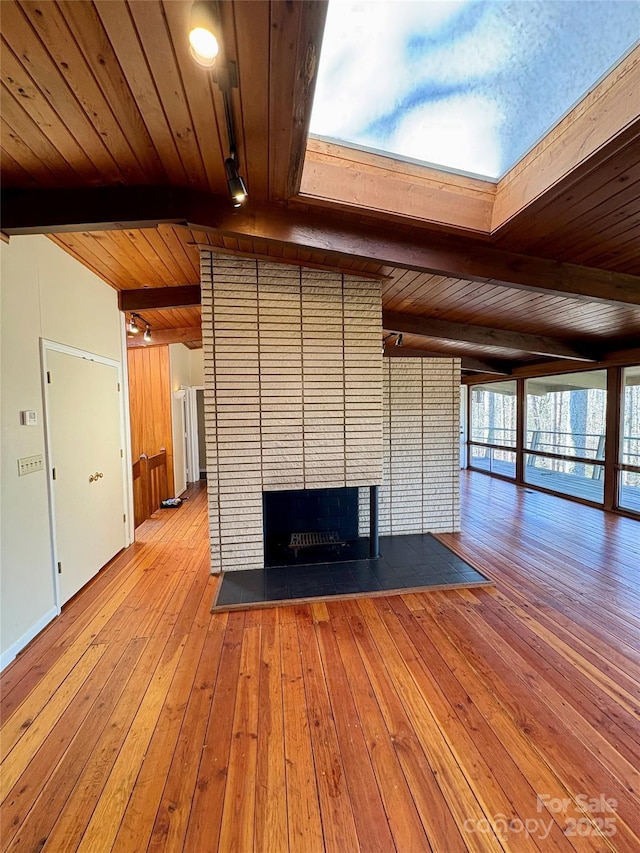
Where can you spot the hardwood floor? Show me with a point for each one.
(485, 719)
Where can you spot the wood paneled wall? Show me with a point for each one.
(150, 404)
(293, 393)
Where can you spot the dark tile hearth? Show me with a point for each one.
(407, 562)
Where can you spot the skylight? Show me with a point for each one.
(466, 85)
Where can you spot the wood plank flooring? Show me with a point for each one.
(483, 720)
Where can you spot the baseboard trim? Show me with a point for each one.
(12, 652)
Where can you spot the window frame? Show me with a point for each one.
(491, 446)
(612, 464)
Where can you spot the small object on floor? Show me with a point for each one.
(170, 503)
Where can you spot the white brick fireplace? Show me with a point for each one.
(294, 400)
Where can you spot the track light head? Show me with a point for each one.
(398, 341)
(237, 188)
(133, 327)
(385, 338)
(204, 33)
(147, 333)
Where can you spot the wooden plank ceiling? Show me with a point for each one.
(104, 94)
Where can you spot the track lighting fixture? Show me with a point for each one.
(135, 324)
(397, 343)
(237, 188)
(384, 342)
(204, 33)
(207, 48)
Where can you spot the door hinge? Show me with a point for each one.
(121, 454)
(118, 386)
(53, 473)
(48, 377)
(59, 567)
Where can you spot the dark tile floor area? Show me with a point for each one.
(406, 562)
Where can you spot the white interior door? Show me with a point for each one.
(84, 434)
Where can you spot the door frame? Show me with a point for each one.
(179, 439)
(47, 346)
(192, 429)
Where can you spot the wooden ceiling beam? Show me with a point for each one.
(437, 254)
(79, 209)
(159, 297)
(161, 337)
(295, 43)
(617, 358)
(473, 365)
(54, 211)
(482, 335)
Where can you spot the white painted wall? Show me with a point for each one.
(196, 369)
(44, 293)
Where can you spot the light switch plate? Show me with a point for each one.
(29, 418)
(30, 464)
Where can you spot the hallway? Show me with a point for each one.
(445, 720)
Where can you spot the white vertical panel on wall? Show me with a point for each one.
(293, 395)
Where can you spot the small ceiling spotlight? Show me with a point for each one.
(398, 340)
(204, 33)
(147, 334)
(384, 341)
(237, 188)
(133, 326)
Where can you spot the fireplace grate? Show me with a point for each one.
(313, 540)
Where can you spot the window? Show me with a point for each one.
(493, 428)
(629, 474)
(565, 435)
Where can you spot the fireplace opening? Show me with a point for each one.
(307, 526)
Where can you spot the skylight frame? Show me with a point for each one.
(344, 141)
